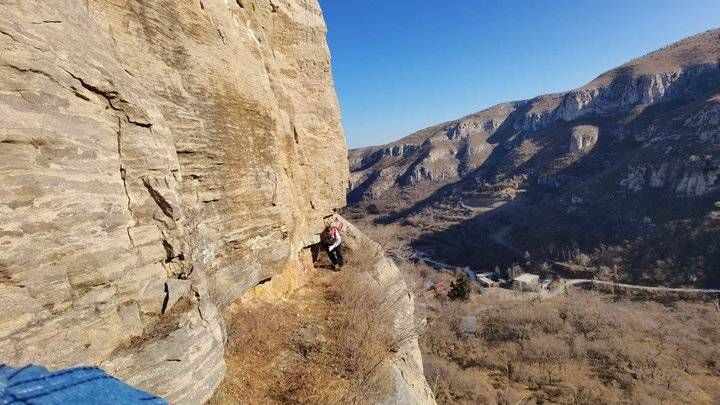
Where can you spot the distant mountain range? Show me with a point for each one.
(620, 172)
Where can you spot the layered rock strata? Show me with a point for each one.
(158, 159)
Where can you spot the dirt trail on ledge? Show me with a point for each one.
(278, 352)
(334, 337)
(333, 340)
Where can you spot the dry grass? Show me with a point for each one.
(394, 239)
(330, 343)
(578, 349)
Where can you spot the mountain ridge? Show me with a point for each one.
(709, 43)
(648, 127)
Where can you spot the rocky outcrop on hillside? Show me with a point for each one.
(694, 177)
(159, 159)
(624, 92)
(583, 138)
(707, 122)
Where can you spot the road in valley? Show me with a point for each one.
(566, 283)
(572, 282)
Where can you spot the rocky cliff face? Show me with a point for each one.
(159, 159)
(583, 138)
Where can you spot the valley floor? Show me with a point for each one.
(576, 347)
(587, 344)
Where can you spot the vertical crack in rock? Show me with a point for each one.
(275, 190)
(160, 200)
(212, 21)
(166, 299)
(199, 298)
(123, 175)
(296, 136)
(112, 98)
(222, 37)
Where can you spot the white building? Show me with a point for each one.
(526, 282)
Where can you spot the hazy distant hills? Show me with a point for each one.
(622, 171)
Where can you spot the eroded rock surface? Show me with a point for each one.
(583, 138)
(143, 143)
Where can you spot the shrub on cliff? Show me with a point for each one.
(581, 348)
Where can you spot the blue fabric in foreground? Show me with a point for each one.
(83, 385)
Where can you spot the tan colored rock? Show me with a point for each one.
(583, 138)
(19, 310)
(143, 141)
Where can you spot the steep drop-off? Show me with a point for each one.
(158, 159)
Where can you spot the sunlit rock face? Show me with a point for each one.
(583, 138)
(159, 159)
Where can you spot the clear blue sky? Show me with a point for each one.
(403, 65)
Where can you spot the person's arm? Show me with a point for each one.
(338, 240)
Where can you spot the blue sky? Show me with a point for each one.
(403, 65)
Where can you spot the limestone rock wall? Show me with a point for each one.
(621, 94)
(695, 177)
(707, 122)
(158, 159)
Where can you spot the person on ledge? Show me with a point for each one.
(332, 243)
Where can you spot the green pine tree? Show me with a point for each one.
(460, 288)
